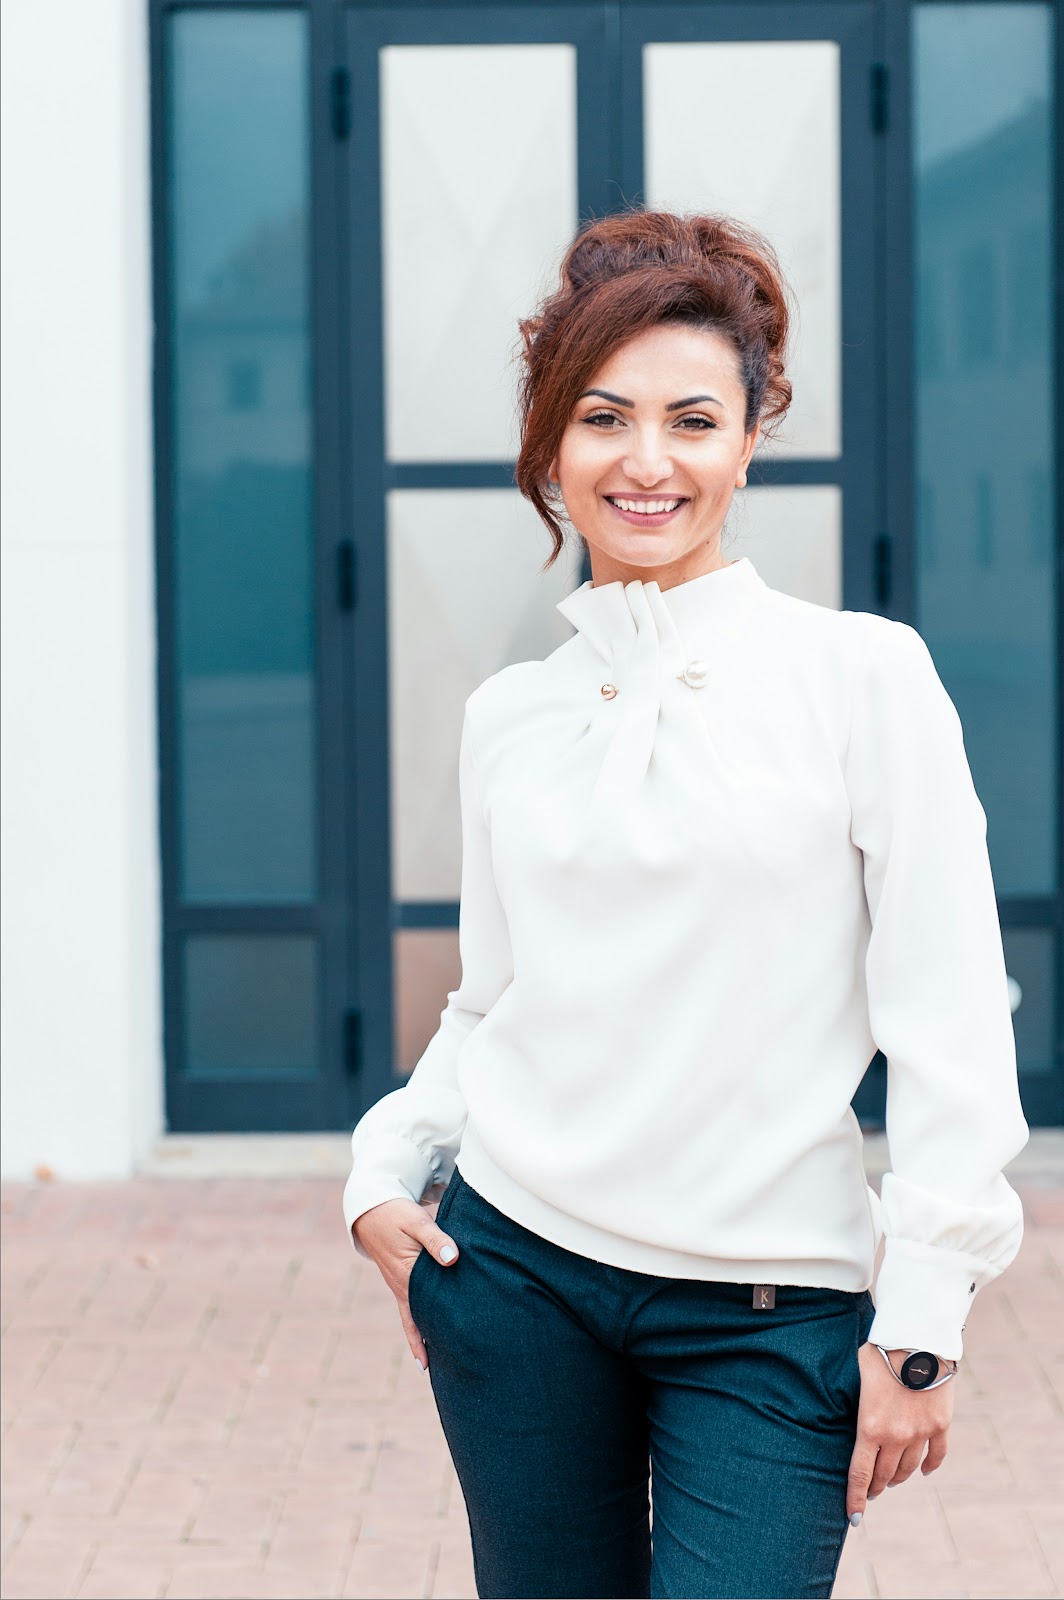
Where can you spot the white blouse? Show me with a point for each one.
(691, 910)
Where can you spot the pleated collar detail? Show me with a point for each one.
(681, 620)
(685, 616)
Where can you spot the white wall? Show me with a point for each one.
(81, 1007)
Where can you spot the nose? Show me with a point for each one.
(646, 461)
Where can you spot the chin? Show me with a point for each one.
(650, 549)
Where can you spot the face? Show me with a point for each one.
(653, 451)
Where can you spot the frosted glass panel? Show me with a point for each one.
(251, 1006)
(479, 200)
(426, 966)
(465, 597)
(793, 536)
(752, 129)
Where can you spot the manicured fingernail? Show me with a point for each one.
(448, 1252)
(855, 1519)
(421, 1364)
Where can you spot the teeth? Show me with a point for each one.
(646, 508)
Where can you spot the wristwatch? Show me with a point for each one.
(921, 1369)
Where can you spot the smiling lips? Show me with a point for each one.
(646, 513)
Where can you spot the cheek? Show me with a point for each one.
(716, 482)
(729, 465)
(578, 465)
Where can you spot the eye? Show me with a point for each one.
(602, 419)
(702, 424)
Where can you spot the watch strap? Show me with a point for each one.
(951, 1372)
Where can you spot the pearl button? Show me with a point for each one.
(608, 691)
(696, 673)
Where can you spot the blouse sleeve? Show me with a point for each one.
(409, 1139)
(938, 1002)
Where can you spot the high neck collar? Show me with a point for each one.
(609, 614)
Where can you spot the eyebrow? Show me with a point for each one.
(693, 400)
(604, 394)
(676, 405)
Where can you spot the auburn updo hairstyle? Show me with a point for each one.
(622, 275)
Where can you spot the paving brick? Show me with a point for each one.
(214, 1575)
(94, 1476)
(168, 1503)
(855, 1579)
(33, 1453)
(123, 1575)
(453, 1578)
(390, 1568)
(1047, 1523)
(244, 1508)
(44, 1568)
(11, 1530)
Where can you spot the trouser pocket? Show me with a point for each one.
(426, 1265)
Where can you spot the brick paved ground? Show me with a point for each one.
(206, 1394)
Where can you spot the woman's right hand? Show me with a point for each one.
(394, 1234)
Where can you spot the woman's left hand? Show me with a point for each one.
(894, 1427)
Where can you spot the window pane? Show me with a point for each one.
(465, 597)
(1029, 963)
(426, 967)
(479, 200)
(250, 1006)
(793, 536)
(238, 182)
(778, 170)
(984, 351)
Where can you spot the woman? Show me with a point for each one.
(717, 848)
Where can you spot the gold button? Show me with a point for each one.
(608, 691)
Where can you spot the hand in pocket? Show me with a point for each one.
(394, 1234)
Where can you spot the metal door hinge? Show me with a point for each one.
(353, 1041)
(340, 100)
(879, 97)
(346, 575)
(884, 571)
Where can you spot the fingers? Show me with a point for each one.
(440, 1245)
(413, 1337)
(875, 1467)
(862, 1466)
(886, 1466)
(394, 1233)
(910, 1459)
(936, 1452)
(424, 1232)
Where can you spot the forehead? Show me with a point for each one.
(674, 358)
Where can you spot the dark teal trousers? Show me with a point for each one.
(621, 1434)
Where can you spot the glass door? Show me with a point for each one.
(479, 139)
(987, 573)
(766, 113)
(252, 739)
(479, 136)
(773, 114)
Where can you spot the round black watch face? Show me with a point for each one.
(919, 1369)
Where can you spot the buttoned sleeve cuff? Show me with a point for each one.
(939, 1251)
(389, 1168)
(922, 1296)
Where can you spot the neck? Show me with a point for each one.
(606, 569)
